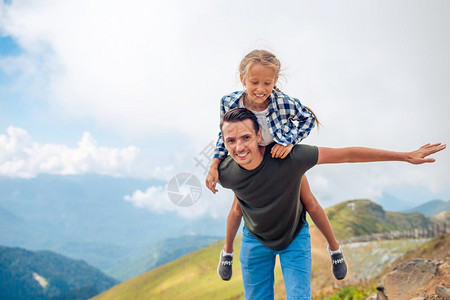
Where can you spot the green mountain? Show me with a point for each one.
(194, 276)
(361, 217)
(46, 275)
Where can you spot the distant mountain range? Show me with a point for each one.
(159, 254)
(430, 208)
(85, 217)
(46, 275)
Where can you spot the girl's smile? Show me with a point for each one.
(259, 83)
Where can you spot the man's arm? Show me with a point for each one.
(361, 154)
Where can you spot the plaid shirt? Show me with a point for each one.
(288, 120)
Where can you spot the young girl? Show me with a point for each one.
(283, 120)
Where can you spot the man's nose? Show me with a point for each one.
(239, 145)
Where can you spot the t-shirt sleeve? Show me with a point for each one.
(224, 170)
(306, 155)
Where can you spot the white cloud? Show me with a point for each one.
(156, 199)
(20, 156)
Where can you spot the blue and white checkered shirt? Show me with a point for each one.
(288, 120)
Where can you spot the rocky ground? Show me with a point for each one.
(402, 269)
(423, 274)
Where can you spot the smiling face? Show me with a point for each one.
(241, 141)
(259, 82)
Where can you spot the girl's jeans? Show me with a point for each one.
(258, 263)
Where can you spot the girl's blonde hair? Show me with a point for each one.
(267, 59)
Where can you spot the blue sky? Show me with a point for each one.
(132, 89)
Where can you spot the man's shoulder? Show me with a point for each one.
(227, 170)
(225, 162)
(305, 147)
(226, 165)
(304, 151)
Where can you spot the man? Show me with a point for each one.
(268, 191)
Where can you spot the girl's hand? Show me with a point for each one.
(211, 179)
(280, 151)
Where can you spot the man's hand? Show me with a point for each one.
(419, 156)
(280, 151)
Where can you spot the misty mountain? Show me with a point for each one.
(431, 208)
(85, 217)
(161, 253)
(46, 275)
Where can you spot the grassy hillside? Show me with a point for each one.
(190, 277)
(194, 276)
(361, 217)
(443, 216)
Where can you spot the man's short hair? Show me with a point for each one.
(239, 114)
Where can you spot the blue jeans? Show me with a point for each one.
(258, 263)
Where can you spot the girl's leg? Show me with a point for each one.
(319, 217)
(233, 223)
(317, 214)
(225, 269)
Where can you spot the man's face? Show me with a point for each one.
(241, 141)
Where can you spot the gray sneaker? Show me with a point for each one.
(225, 270)
(339, 266)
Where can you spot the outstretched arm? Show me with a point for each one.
(361, 154)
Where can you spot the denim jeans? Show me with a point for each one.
(258, 263)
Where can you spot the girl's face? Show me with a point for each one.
(259, 82)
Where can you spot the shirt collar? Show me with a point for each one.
(235, 99)
(273, 103)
